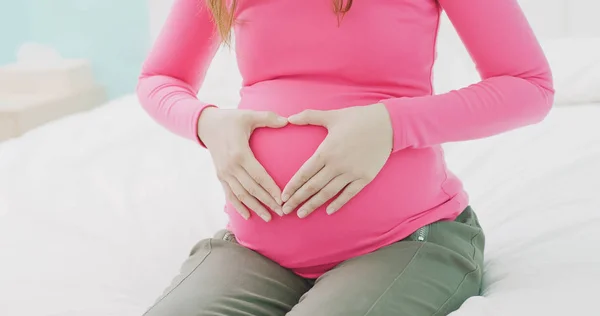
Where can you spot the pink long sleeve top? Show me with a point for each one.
(293, 55)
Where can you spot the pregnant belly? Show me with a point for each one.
(406, 188)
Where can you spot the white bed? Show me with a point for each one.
(96, 217)
(98, 210)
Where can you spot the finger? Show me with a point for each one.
(260, 176)
(311, 117)
(329, 191)
(310, 188)
(248, 200)
(348, 193)
(267, 119)
(239, 207)
(313, 165)
(256, 190)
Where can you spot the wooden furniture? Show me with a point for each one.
(32, 95)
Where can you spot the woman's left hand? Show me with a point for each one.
(358, 144)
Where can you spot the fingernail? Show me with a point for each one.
(278, 200)
(301, 213)
(246, 216)
(287, 209)
(285, 197)
(278, 211)
(266, 217)
(330, 210)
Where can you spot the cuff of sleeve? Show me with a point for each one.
(194, 123)
(397, 109)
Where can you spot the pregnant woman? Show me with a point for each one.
(339, 199)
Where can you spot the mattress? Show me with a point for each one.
(98, 210)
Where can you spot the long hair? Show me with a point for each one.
(225, 16)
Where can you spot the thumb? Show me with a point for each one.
(311, 117)
(268, 119)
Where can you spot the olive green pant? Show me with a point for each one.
(431, 272)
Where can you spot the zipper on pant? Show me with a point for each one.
(421, 233)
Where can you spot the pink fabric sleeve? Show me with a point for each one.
(516, 89)
(176, 67)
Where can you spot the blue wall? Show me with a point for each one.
(113, 34)
(13, 28)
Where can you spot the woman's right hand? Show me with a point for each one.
(245, 181)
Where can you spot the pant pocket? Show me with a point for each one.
(463, 235)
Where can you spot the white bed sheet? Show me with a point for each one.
(98, 210)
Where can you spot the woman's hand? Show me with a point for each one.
(357, 146)
(245, 182)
